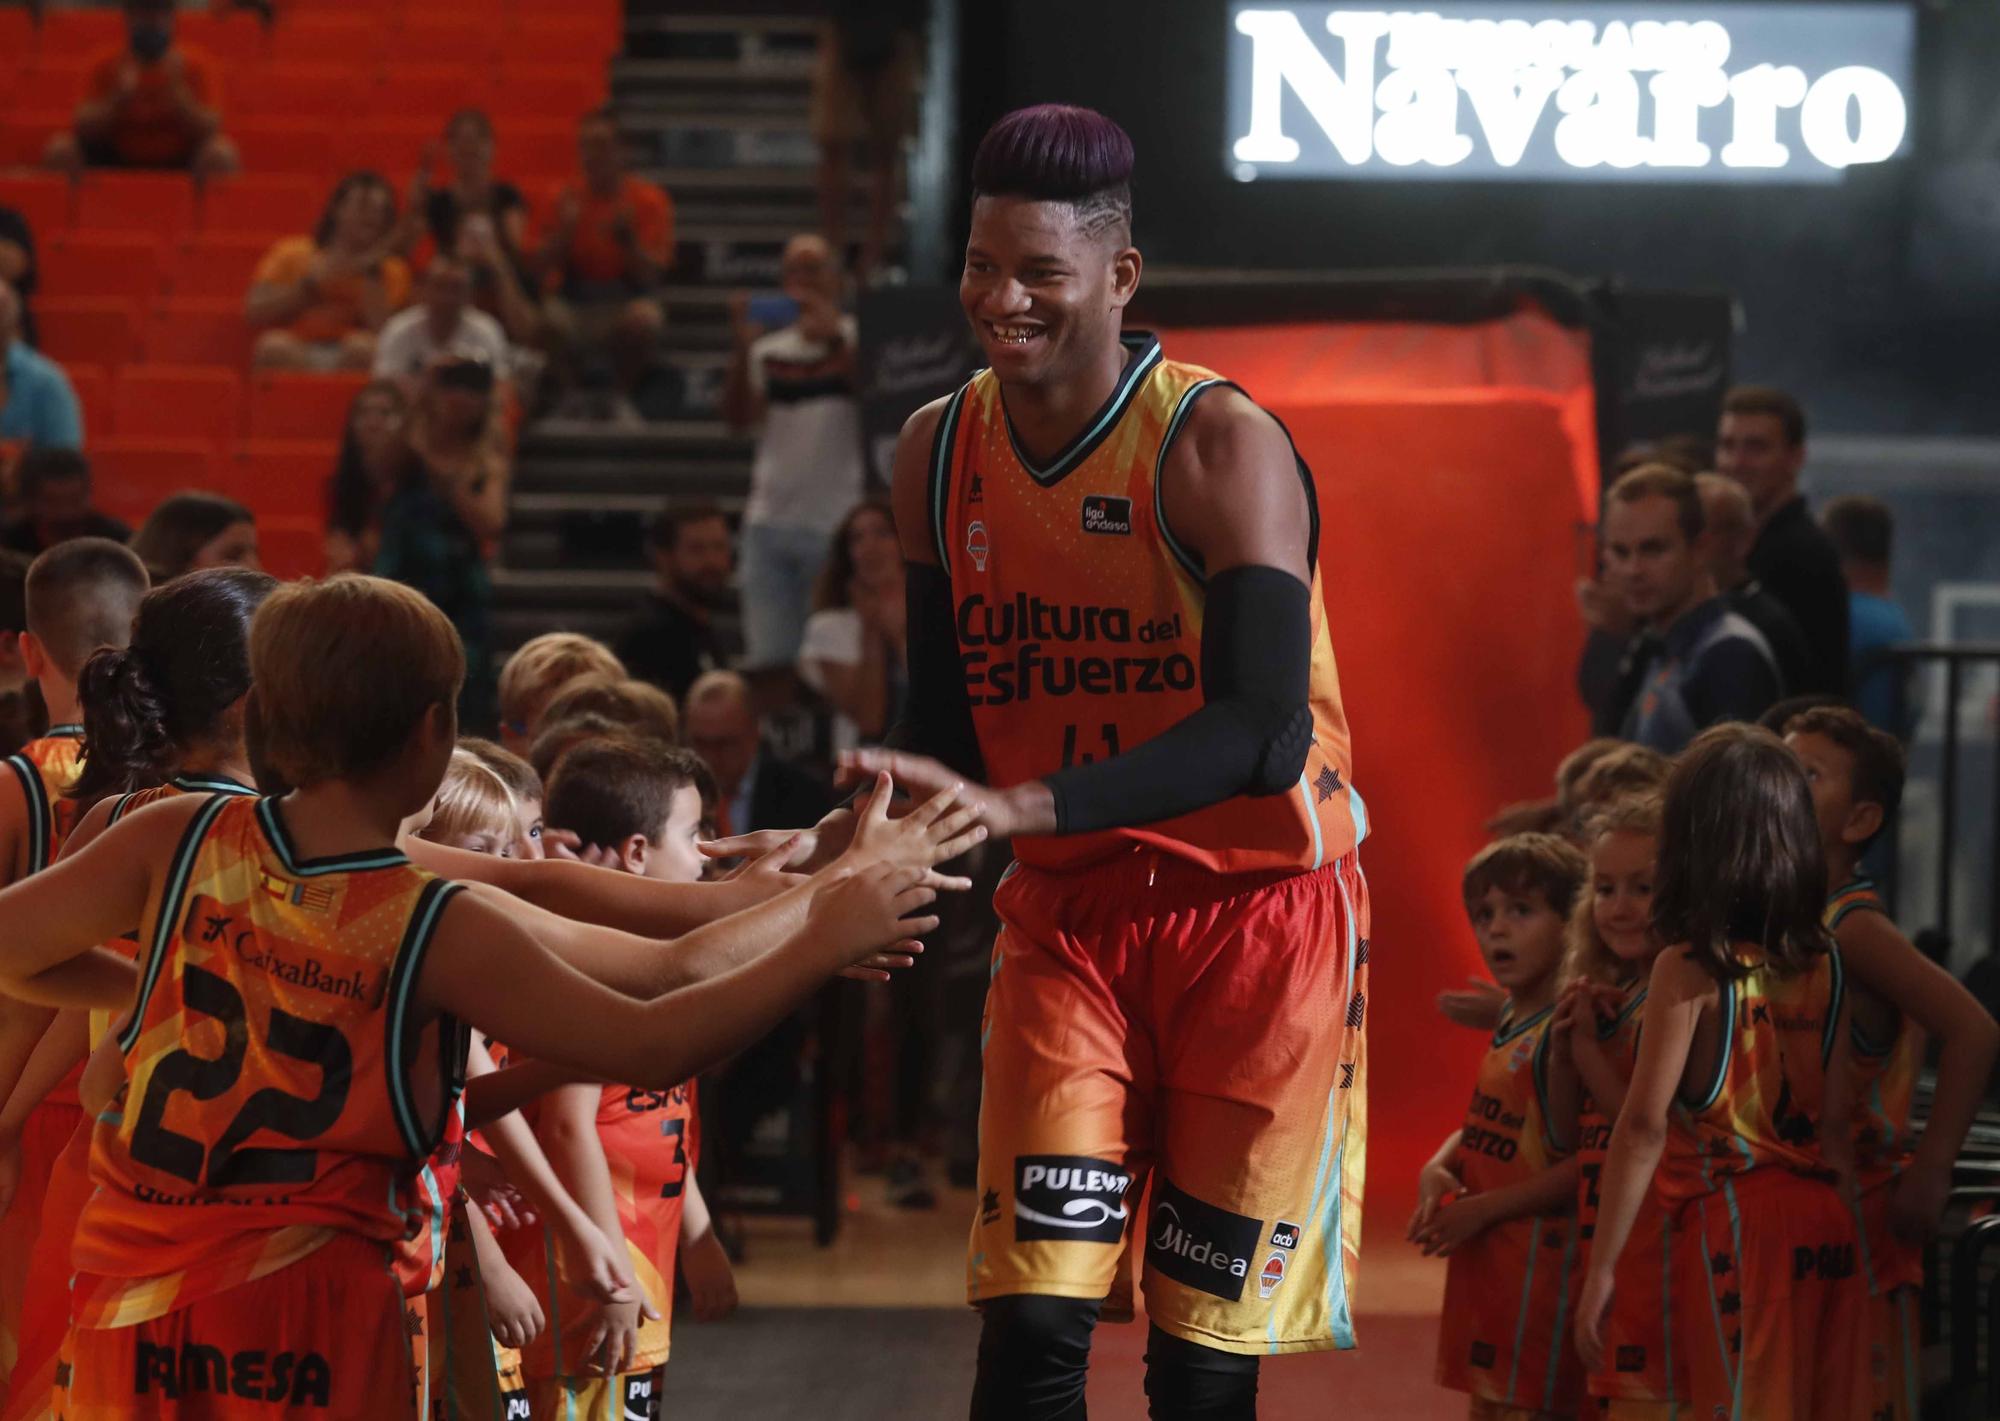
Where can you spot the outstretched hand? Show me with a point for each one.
(1027, 808)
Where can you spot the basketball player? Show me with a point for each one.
(1115, 620)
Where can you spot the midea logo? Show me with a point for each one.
(1473, 90)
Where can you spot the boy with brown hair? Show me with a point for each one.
(1897, 995)
(313, 1124)
(1499, 1197)
(629, 1156)
(533, 674)
(80, 595)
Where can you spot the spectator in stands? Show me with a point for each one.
(194, 530)
(1862, 530)
(38, 408)
(22, 714)
(17, 268)
(672, 640)
(479, 218)
(150, 104)
(853, 649)
(1731, 529)
(864, 91)
(605, 254)
(1704, 663)
(1762, 445)
(442, 325)
(319, 300)
(796, 387)
(759, 789)
(375, 461)
(52, 485)
(437, 523)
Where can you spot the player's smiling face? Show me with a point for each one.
(1043, 291)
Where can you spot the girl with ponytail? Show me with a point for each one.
(168, 708)
(163, 716)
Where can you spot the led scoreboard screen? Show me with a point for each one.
(1762, 93)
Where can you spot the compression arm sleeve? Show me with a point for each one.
(1250, 738)
(937, 718)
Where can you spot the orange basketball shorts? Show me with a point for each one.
(1643, 1361)
(1504, 1334)
(634, 1396)
(44, 1136)
(45, 1294)
(323, 1337)
(1147, 1016)
(1773, 1302)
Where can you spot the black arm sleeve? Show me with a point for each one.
(937, 716)
(1250, 738)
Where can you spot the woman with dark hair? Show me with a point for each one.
(450, 504)
(375, 460)
(1740, 1100)
(481, 219)
(196, 530)
(852, 649)
(319, 300)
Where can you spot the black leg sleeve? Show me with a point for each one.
(1186, 1381)
(1033, 1354)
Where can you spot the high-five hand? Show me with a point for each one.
(1026, 808)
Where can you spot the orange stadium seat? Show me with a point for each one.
(81, 264)
(456, 36)
(82, 33)
(326, 38)
(390, 146)
(87, 331)
(546, 92)
(298, 91)
(214, 266)
(536, 154)
(236, 37)
(292, 146)
(291, 547)
(93, 392)
(285, 477)
(24, 137)
(288, 406)
(439, 88)
(199, 332)
(43, 198)
(262, 205)
(177, 402)
(129, 474)
(565, 41)
(47, 88)
(17, 31)
(159, 203)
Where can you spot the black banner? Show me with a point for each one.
(915, 347)
(1661, 360)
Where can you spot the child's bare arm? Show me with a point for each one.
(511, 1306)
(567, 1129)
(1883, 961)
(704, 1263)
(1553, 1191)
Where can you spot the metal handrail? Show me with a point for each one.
(1965, 1255)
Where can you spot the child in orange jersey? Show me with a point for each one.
(80, 596)
(1509, 1231)
(161, 717)
(1738, 1112)
(343, 974)
(1898, 995)
(1595, 1037)
(630, 1155)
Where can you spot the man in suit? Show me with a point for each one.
(759, 789)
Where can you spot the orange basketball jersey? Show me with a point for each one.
(46, 768)
(1885, 1072)
(1079, 619)
(1504, 1332)
(276, 1093)
(650, 1143)
(1762, 1105)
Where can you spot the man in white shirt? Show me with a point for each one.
(796, 386)
(443, 325)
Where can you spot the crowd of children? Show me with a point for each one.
(1688, 1182)
(324, 1085)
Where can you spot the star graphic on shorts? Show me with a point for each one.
(1719, 1263)
(989, 1205)
(1729, 1304)
(1328, 784)
(62, 1374)
(466, 1278)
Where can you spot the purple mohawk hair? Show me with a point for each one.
(1059, 153)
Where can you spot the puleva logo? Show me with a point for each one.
(1069, 1197)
